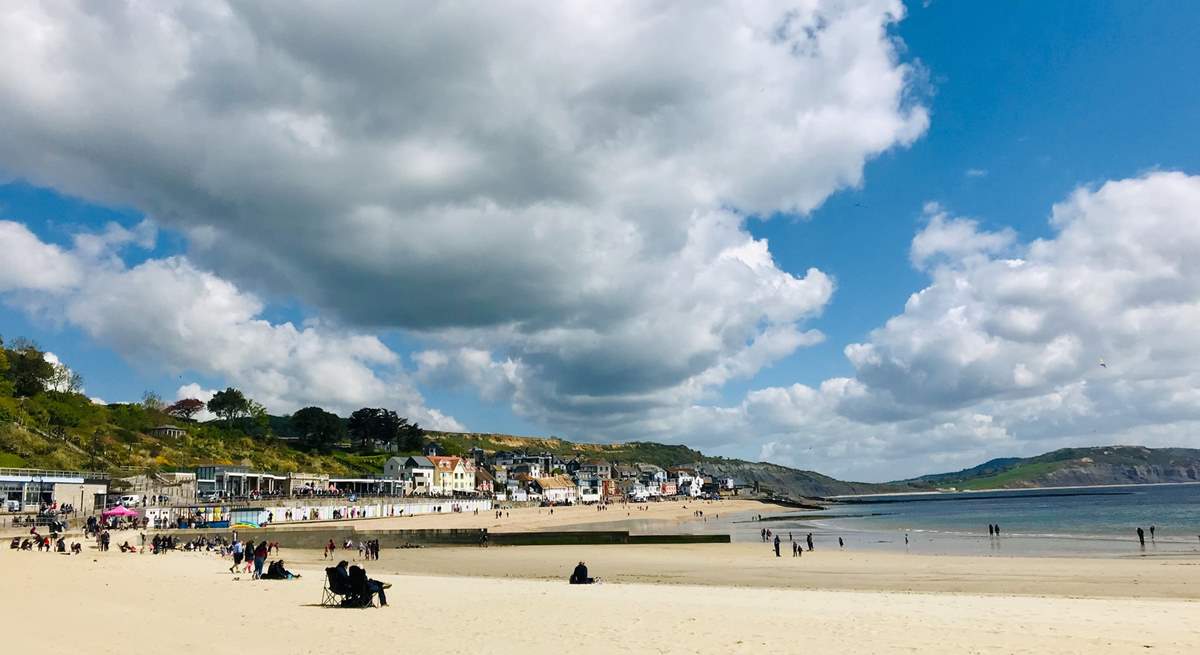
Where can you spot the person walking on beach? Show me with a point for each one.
(1141, 537)
(795, 547)
(777, 546)
(841, 544)
(810, 543)
(260, 557)
(237, 556)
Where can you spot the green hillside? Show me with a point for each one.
(1068, 467)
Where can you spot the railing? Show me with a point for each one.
(47, 473)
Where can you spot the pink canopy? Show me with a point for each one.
(119, 510)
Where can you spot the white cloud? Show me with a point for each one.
(955, 239)
(30, 264)
(976, 172)
(168, 314)
(572, 204)
(999, 355)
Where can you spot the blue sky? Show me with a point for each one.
(1020, 104)
(1040, 96)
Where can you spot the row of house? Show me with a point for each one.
(546, 477)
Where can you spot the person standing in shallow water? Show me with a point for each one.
(1141, 537)
(991, 530)
(1152, 533)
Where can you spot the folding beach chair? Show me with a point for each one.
(334, 594)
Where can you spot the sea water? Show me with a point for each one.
(1098, 521)
(1087, 521)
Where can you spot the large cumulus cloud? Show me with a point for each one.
(169, 314)
(561, 186)
(1083, 338)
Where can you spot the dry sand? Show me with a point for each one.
(183, 602)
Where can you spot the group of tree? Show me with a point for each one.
(368, 428)
(317, 429)
(25, 371)
(372, 426)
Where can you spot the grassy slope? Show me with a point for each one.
(54, 430)
(1048, 469)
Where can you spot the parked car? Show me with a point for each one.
(12, 505)
(131, 500)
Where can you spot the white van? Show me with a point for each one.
(131, 501)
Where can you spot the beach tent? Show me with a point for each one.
(119, 510)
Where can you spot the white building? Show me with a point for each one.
(556, 489)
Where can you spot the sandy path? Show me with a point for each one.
(108, 603)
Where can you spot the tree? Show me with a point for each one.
(29, 371)
(376, 424)
(186, 408)
(152, 402)
(64, 380)
(229, 404)
(317, 428)
(412, 437)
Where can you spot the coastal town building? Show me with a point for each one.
(417, 471)
(167, 431)
(485, 484)
(451, 475)
(558, 489)
(33, 488)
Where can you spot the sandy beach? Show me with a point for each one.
(524, 519)
(715, 598)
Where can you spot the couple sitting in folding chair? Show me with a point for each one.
(351, 588)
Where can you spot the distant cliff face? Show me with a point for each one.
(1072, 467)
(1093, 473)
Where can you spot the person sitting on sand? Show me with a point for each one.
(15, 544)
(580, 575)
(276, 571)
(76, 548)
(365, 587)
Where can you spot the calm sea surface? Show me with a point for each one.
(1098, 521)
(1039, 521)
